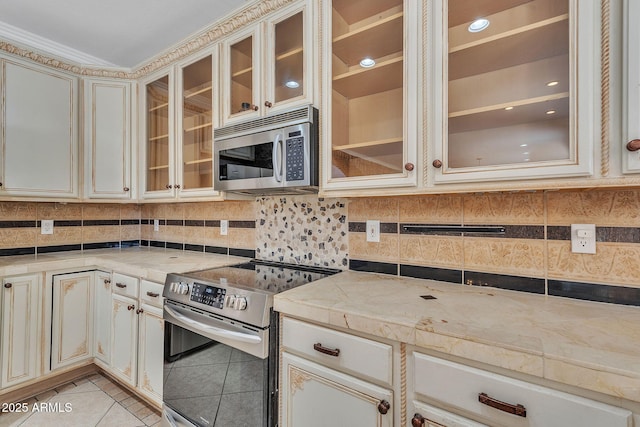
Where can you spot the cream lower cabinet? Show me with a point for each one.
(329, 378)
(102, 317)
(137, 330)
(72, 319)
(498, 400)
(21, 308)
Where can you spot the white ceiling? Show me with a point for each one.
(121, 33)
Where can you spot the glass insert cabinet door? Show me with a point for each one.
(509, 82)
(368, 79)
(288, 67)
(157, 111)
(197, 125)
(241, 54)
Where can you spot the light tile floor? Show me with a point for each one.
(93, 401)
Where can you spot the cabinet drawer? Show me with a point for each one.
(461, 386)
(124, 285)
(151, 293)
(364, 357)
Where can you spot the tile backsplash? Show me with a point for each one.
(533, 254)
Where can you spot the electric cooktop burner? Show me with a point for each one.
(269, 277)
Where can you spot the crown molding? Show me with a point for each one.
(45, 52)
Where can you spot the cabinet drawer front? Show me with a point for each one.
(436, 417)
(151, 293)
(125, 285)
(461, 386)
(364, 357)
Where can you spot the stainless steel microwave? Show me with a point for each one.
(277, 154)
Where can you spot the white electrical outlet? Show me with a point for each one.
(583, 238)
(224, 227)
(156, 225)
(373, 231)
(46, 226)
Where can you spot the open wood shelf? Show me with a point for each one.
(375, 40)
(384, 76)
(203, 88)
(159, 167)
(159, 137)
(243, 77)
(199, 161)
(351, 11)
(159, 107)
(295, 52)
(367, 144)
(191, 129)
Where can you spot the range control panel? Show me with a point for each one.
(208, 295)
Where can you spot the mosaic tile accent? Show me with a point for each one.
(303, 230)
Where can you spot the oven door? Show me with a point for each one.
(211, 377)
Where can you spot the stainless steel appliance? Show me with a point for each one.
(271, 155)
(221, 343)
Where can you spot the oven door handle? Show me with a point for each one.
(223, 333)
(277, 157)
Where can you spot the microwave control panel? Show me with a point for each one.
(295, 156)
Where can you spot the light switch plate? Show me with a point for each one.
(156, 225)
(46, 226)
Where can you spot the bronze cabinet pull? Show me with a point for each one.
(509, 408)
(409, 167)
(107, 281)
(121, 285)
(417, 420)
(131, 307)
(325, 350)
(383, 407)
(437, 163)
(8, 285)
(633, 145)
(138, 311)
(126, 189)
(153, 294)
(268, 104)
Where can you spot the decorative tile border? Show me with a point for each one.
(594, 292)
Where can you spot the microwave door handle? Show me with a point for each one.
(238, 336)
(277, 157)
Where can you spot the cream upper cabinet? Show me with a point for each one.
(179, 110)
(631, 129)
(39, 131)
(157, 140)
(514, 89)
(268, 67)
(371, 93)
(107, 140)
(20, 329)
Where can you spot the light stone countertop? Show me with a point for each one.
(149, 263)
(590, 345)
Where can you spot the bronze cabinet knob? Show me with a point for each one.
(409, 166)
(437, 164)
(268, 104)
(417, 420)
(131, 307)
(383, 407)
(8, 285)
(168, 186)
(633, 145)
(125, 189)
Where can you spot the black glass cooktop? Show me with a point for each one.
(270, 277)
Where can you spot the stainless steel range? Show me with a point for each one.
(221, 349)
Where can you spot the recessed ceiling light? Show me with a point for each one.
(526, 152)
(523, 145)
(553, 83)
(551, 112)
(478, 25)
(526, 160)
(291, 84)
(367, 63)
(508, 108)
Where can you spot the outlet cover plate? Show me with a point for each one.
(46, 226)
(224, 227)
(583, 238)
(373, 231)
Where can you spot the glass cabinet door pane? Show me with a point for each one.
(241, 56)
(508, 82)
(289, 56)
(368, 79)
(197, 125)
(158, 134)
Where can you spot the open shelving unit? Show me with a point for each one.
(500, 91)
(367, 103)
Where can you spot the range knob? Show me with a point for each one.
(230, 301)
(183, 289)
(240, 303)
